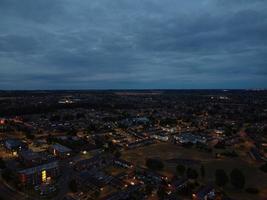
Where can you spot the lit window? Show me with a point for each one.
(44, 176)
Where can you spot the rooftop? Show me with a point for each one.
(61, 148)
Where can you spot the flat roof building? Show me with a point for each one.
(39, 174)
(15, 145)
(60, 150)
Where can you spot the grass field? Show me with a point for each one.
(164, 151)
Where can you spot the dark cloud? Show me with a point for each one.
(17, 44)
(133, 44)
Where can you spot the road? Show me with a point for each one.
(6, 193)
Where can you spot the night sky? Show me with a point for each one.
(133, 44)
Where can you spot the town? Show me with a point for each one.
(134, 144)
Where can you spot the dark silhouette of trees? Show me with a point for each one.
(7, 174)
(29, 135)
(264, 168)
(161, 193)
(148, 189)
(2, 164)
(237, 178)
(221, 177)
(73, 186)
(191, 173)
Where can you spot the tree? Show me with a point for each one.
(221, 177)
(2, 164)
(96, 194)
(154, 164)
(191, 173)
(264, 168)
(72, 132)
(180, 169)
(137, 195)
(117, 154)
(161, 193)
(202, 171)
(73, 186)
(49, 139)
(7, 174)
(148, 189)
(220, 145)
(29, 136)
(237, 178)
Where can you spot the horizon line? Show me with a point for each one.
(131, 89)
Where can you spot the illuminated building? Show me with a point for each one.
(39, 174)
(60, 150)
(14, 145)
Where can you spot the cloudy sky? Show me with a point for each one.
(119, 44)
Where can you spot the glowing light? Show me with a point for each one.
(84, 152)
(44, 176)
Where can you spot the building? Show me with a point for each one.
(30, 158)
(60, 150)
(256, 154)
(39, 174)
(122, 163)
(124, 194)
(161, 136)
(96, 161)
(179, 184)
(204, 193)
(93, 179)
(14, 145)
(184, 138)
(149, 176)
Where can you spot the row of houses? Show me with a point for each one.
(100, 161)
(124, 194)
(93, 179)
(186, 137)
(140, 143)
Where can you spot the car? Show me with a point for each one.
(37, 187)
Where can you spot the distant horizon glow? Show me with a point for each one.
(126, 44)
